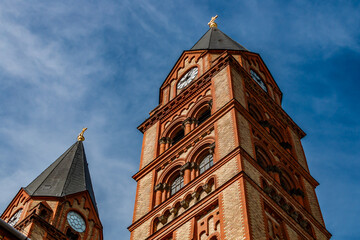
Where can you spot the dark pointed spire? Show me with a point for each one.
(216, 39)
(69, 174)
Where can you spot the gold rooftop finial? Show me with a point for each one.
(212, 22)
(81, 137)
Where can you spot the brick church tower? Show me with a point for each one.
(220, 158)
(58, 205)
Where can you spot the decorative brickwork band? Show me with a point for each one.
(207, 188)
(163, 219)
(195, 195)
(290, 210)
(174, 211)
(184, 204)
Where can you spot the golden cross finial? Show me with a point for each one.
(212, 22)
(81, 137)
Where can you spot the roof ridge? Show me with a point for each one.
(68, 173)
(89, 188)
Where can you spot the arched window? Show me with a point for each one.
(206, 163)
(15, 218)
(276, 135)
(255, 113)
(286, 182)
(178, 136)
(176, 185)
(261, 158)
(204, 116)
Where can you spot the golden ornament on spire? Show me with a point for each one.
(212, 22)
(81, 137)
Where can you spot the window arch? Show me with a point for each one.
(254, 112)
(15, 217)
(172, 134)
(155, 224)
(285, 184)
(204, 115)
(176, 184)
(206, 163)
(201, 111)
(178, 136)
(275, 133)
(286, 181)
(163, 185)
(262, 158)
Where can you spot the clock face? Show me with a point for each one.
(76, 221)
(15, 218)
(258, 80)
(187, 78)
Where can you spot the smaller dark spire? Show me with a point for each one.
(69, 174)
(217, 40)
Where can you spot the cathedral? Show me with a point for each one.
(220, 160)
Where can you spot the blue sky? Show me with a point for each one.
(65, 65)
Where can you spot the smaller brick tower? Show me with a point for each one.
(221, 159)
(59, 204)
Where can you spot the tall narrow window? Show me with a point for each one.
(177, 184)
(285, 183)
(255, 113)
(204, 116)
(15, 218)
(206, 163)
(178, 136)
